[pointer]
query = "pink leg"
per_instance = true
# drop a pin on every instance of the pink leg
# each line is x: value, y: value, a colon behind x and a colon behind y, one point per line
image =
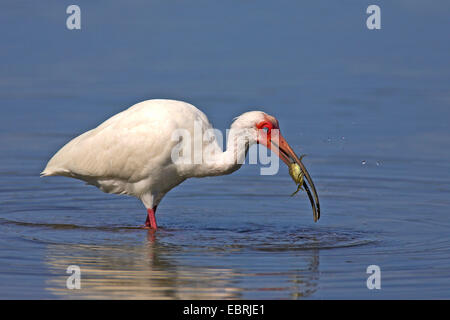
x: 150, y: 222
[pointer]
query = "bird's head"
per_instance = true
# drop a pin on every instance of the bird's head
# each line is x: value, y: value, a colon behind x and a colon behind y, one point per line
x: 264, y: 129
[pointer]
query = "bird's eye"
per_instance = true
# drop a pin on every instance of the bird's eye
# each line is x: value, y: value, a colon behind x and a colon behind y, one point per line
x: 265, y: 126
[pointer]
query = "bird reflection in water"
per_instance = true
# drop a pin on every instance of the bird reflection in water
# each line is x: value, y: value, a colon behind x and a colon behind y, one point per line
x: 157, y: 270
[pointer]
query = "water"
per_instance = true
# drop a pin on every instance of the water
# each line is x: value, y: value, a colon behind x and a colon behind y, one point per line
x: 370, y: 108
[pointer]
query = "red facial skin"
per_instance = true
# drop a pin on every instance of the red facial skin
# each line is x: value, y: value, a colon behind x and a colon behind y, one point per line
x: 282, y: 149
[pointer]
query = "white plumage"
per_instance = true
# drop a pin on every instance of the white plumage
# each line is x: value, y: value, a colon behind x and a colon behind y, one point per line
x: 130, y: 153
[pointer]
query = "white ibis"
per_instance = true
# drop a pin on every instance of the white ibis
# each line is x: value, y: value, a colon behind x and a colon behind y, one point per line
x: 131, y: 152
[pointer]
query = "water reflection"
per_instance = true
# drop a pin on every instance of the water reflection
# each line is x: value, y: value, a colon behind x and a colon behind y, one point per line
x: 305, y: 281
x: 155, y: 270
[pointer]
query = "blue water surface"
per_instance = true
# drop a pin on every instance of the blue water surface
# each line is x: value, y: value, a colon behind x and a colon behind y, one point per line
x: 371, y: 108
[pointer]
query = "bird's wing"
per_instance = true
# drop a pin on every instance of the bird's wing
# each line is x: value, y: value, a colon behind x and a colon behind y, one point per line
x: 127, y: 146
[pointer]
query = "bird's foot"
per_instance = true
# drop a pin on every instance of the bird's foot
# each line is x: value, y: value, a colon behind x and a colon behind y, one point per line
x: 147, y: 227
x: 150, y: 222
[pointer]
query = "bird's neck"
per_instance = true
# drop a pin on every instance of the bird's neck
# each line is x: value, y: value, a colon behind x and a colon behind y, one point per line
x: 233, y: 157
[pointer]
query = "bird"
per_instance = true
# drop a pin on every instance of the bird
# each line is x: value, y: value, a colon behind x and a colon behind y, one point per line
x: 132, y: 152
